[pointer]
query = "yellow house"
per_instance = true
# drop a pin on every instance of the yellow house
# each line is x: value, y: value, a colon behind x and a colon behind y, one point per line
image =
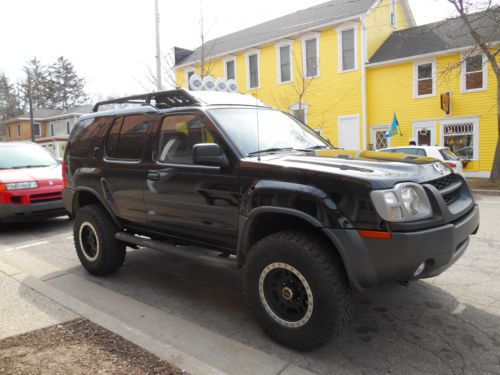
x: 345, y: 67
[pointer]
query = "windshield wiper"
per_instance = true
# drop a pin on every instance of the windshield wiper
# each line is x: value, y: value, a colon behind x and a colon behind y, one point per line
x: 30, y: 166
x: 317, y: 148
x: 274, y: 149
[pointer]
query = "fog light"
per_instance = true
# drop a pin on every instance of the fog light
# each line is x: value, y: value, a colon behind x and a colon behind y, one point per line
x: 419, y: 270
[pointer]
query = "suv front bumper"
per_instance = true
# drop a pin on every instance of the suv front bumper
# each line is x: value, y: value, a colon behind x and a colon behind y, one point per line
x: 371, y: 262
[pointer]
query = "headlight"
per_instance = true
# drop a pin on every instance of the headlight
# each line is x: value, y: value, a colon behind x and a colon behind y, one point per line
x: 406, y: 202
x: 21, y: 185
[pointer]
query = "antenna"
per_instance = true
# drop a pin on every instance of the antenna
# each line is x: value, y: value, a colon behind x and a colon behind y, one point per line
x: 258, y: 131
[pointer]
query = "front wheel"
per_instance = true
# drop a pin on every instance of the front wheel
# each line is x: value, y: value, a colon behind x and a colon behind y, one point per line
x: 94, y: 235
x: 296, y: 290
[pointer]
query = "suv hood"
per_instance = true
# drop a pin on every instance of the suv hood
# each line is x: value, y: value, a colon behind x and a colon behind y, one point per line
x: 32, y: 174
x: 378, y: 169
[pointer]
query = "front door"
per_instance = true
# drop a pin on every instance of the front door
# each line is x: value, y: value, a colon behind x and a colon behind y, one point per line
x: 424, y: 133
x: 189, y: 201
x: 349, y: 136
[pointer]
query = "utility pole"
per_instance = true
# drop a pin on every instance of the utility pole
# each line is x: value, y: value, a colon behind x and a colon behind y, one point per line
x: 158, y: 51
x: 30, y: 103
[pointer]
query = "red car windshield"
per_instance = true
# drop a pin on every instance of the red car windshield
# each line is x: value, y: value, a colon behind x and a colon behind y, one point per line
x: 17, y: 156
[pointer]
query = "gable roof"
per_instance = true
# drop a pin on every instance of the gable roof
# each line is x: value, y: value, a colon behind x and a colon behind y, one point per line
x: 300, y: 21
x: 438, y: 36
x: 51, y: 114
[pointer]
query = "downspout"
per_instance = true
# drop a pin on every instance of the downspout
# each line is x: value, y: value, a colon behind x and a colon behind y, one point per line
x: 364, y: 53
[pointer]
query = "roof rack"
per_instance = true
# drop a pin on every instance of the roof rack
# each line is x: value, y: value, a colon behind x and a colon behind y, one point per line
x: 159, y: 100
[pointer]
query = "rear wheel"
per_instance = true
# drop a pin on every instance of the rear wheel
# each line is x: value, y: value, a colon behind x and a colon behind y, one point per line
x: 296, y: 290
x: 94, y: 235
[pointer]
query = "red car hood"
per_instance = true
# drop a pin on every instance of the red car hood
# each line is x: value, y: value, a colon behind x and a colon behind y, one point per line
x: 53, y: 174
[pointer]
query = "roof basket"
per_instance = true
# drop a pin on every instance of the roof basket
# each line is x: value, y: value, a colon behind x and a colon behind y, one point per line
x: 159, y: 100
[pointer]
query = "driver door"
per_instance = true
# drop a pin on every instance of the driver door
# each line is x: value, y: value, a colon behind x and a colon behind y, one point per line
x: 187, y: 200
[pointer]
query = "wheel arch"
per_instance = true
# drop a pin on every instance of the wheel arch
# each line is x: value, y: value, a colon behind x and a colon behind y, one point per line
x: 264, y: 221
x: 86, y: 196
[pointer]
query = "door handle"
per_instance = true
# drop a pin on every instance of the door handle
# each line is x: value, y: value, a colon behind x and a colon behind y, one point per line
x: 154, y: 176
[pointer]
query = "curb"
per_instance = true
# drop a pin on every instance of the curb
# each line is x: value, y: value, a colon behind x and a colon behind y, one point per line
x: 208, y: 352
x: 168, y: 353
x: 486, y: 192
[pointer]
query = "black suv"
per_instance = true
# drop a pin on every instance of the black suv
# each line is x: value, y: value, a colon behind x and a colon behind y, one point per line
x: 306, y: 222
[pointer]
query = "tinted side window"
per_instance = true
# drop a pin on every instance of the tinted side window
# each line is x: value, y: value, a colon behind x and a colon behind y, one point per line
x: 127, y: 137
x: 411, y: 151
x: 178, y: 135
x: 84, y: 135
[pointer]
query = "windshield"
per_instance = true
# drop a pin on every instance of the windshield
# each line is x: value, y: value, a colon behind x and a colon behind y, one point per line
x: 448, y: 154
x: 24, y: 156
x: 277, y: 131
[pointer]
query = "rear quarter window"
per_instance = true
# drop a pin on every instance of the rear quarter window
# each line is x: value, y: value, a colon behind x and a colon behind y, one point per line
x: 83, y: 136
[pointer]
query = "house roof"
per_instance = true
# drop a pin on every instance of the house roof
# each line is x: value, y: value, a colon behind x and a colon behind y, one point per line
x: 290, y: 24
x: 51, y: 114
x: 440, y: 36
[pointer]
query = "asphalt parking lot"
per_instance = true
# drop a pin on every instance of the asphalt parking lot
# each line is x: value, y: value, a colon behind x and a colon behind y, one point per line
x: 446, y: 325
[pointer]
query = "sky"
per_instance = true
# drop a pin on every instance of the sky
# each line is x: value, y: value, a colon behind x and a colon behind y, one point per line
x: 112, y: 44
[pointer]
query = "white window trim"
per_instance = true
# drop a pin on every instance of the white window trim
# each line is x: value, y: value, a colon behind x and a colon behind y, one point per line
x: 374, y: 129
x: 339, y: 30
x: 229, y: 59
x: 190, y: 69
x: 394, y: 10
x: 485, y: 64
x: 303, y: 106
x: 248, y: 54
x: 415, y: 78
x: 305, y: 38
x: 284, y: 43
x: 475, y: 135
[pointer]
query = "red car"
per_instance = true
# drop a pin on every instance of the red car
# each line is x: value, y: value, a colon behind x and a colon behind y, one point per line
x: 30, y: 182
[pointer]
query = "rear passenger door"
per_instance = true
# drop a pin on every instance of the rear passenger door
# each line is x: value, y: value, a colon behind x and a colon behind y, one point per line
x: 123, y: 173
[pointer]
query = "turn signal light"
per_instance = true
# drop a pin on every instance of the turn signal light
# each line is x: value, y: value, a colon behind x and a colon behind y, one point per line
x: 452, y: 165
x: 373, y: 234
x: 3, y: 187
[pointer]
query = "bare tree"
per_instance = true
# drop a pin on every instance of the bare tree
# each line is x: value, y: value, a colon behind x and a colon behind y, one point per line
x: 206, y: 48
x: 490, y: 13
x: 299, y: 88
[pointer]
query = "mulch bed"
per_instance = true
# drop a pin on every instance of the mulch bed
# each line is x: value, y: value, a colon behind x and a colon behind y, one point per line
x: 77, y: 347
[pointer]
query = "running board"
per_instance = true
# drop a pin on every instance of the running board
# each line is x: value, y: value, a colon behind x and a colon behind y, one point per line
x: 200, y: 254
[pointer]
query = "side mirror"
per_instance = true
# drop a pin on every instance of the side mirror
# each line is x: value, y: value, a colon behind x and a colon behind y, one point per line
x: 209, y: 154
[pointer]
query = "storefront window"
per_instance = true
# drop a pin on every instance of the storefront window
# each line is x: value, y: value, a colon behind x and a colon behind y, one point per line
x: 459, y: 138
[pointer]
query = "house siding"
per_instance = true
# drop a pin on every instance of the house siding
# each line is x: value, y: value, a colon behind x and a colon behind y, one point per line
x: 378, y: 24
x: 391, y: 89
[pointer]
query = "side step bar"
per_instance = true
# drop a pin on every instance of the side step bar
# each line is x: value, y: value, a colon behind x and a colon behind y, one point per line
x: 199, y: 254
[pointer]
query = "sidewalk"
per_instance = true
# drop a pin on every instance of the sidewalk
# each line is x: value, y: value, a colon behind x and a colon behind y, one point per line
x: 24, y: 310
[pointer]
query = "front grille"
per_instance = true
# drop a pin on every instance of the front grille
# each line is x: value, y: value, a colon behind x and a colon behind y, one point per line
x: 48, y: 197
x: 442, y: 184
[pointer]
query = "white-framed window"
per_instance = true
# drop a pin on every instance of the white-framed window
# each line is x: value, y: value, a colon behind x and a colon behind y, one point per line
x: 52, y: 129
x: 36, y: 130
x: 19, y: 130
x: 299, y: 110
x: 474, y: 73
x: 230, y: 68
x: 284, y: 52
x: 394, y: 13
x: 425, y: 79
x: 253, y: 65
x: 310, y: 55
x: 189, y: 72
x: 348, y: 47
x: 461, y: 136
x: 378, y: 137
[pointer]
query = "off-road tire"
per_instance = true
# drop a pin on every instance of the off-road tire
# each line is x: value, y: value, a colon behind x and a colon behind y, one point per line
x: 111, y: 252
x: 324, y: 273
